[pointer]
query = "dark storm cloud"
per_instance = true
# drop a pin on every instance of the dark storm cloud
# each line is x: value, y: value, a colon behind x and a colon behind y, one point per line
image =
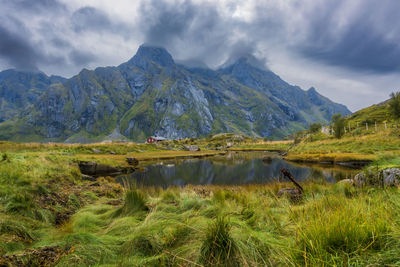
x: 16, y: 49
x: 19, y: 50
x: 164, y: 22
x: 191, y: 30
x: 54, y: 34
x: 90, y: 18
x: 362, y: 44
x: 60, y: 42
x: 37, y: 6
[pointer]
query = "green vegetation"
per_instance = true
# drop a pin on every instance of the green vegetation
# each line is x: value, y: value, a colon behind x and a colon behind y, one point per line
x: 50, y: 216
x: 314, y: 127
x: 394, y: 104
x: 338, y: 125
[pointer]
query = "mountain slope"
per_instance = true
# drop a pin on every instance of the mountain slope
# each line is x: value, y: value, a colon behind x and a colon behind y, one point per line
x: 151, y: 94
x: 19, y: 89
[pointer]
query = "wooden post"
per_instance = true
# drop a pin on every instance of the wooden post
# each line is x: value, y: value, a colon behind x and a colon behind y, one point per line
x: 375, y: 127
x: 349, y: 127
x: 385, y: 126
x: 344, y: 129
x: 366, y: 126
x: 357, y: 124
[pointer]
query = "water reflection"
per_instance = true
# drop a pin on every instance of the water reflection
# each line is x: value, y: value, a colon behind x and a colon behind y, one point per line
x: 231, y: 169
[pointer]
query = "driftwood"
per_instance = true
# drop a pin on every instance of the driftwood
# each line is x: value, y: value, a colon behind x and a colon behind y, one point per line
x: 287, y: 174
x: 294, y: 194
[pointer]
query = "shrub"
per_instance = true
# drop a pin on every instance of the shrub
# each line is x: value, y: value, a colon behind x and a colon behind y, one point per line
x: 314, y: 127
x: 338, y: 125
x: 394, y: 104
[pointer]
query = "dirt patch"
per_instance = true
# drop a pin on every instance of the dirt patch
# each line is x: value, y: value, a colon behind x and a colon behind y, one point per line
x: 64, y: 202
x: 44, y: 256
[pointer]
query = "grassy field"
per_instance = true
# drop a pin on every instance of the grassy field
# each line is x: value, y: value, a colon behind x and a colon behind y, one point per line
x: 50, y: 216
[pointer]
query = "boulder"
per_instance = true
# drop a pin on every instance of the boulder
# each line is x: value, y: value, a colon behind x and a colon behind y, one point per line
x: 293, y: 194
x: 191, y: 148
x: 346, y: 181
x: 88, y: 178
x: 132, y: 161
x: 96, y: 151
x: 94, y: 169
x: 267, y: 160
x: 359, y: 179
x: 237, y: 137
x: 391, y: 177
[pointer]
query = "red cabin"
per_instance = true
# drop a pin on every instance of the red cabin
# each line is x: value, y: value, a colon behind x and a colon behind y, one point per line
x: 154, y: 139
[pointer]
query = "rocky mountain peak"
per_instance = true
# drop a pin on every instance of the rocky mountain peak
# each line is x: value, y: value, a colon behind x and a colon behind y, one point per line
x: 244, y: 61
x: 147, y: 54
x: 312, y: 90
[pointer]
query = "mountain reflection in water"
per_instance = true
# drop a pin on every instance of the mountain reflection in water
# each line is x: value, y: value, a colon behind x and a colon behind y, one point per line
x: 234, y: 168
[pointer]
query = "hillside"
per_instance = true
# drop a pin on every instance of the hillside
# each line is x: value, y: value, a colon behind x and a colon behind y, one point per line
x: 152, y: 95
x: 378, y: 113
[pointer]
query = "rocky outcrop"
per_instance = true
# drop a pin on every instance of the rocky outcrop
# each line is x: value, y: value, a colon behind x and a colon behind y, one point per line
x: 360, y: 179
x: 132, y: 161
x: 191, y: 148
x: 391, y: 176
x: 346, y: 181
x: 387, y: 177
x: 95, y: 169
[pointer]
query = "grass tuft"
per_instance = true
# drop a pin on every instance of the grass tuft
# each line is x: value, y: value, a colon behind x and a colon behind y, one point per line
x: 135, y: 201
x: 219, y: 248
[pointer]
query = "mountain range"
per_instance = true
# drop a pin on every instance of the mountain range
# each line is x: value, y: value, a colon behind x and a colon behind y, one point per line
x: 151, y: 94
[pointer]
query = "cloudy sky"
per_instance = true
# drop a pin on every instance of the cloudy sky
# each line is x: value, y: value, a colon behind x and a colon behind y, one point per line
x: 349, y: 50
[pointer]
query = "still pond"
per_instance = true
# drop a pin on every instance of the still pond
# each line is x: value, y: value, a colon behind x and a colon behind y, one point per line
x: 234, y: 168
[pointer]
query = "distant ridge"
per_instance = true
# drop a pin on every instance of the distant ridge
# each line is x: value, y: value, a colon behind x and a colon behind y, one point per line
x: 151, y: 94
